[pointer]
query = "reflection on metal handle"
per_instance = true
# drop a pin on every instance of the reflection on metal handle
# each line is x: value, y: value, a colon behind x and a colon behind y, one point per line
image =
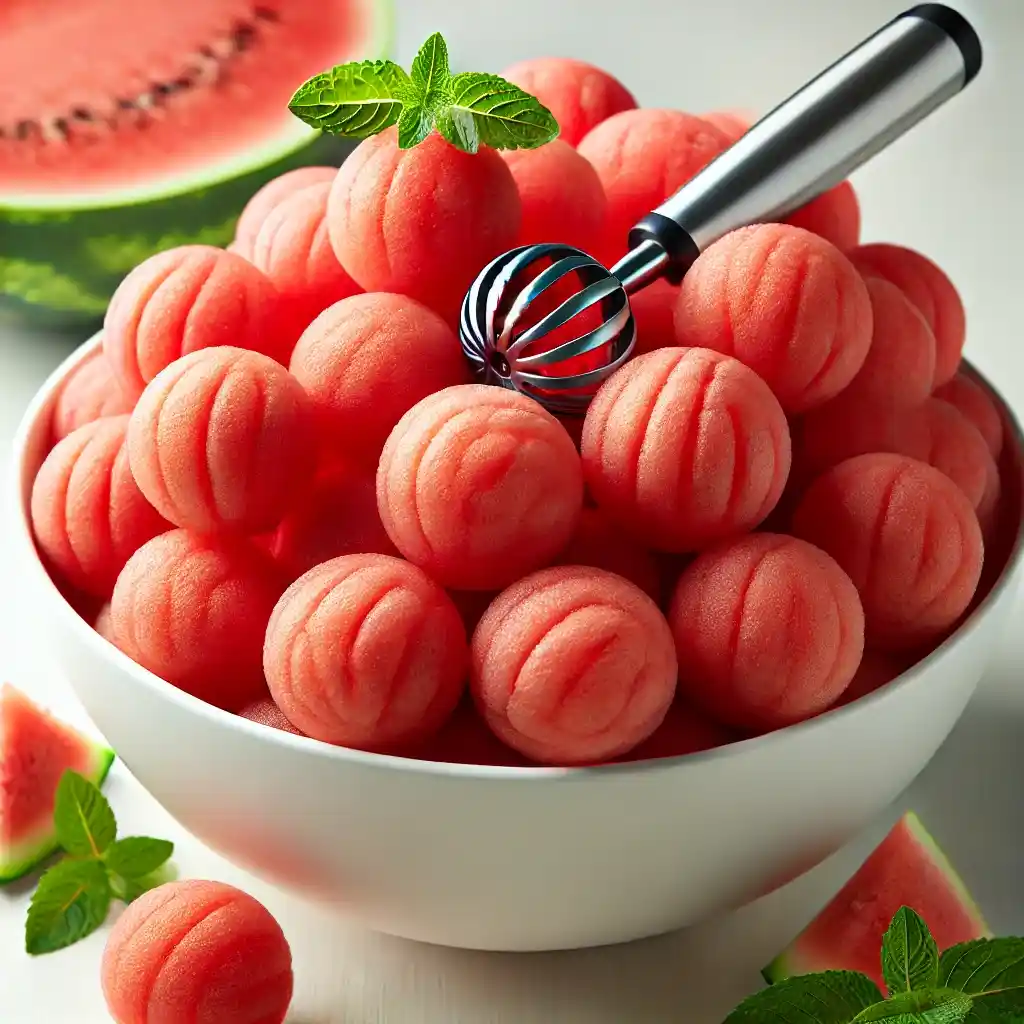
x: 819, y: 135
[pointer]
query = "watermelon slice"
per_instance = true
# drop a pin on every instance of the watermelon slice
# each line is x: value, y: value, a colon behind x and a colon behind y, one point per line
x: 907, y: 870
x: 35, y: 751
x: 127, y: 128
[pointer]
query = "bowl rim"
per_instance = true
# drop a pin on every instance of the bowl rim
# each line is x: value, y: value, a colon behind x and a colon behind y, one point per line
x: 19, y: 493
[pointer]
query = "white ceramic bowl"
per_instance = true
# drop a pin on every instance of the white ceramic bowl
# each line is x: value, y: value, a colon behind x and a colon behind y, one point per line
x: 509, y: 858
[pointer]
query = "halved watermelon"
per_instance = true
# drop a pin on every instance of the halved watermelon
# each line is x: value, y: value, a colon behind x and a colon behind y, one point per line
x: 906, y: 870
x: 126, y: 128
x: 35, y: 751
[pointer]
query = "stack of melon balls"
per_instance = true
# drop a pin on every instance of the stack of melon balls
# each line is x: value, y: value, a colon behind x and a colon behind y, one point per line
x: 280, y: 482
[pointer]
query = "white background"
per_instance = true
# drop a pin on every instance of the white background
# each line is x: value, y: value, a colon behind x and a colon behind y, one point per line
x: 951, y: 188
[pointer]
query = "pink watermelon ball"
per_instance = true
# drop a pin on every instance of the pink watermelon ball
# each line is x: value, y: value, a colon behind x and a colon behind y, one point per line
x: 104, y: 624
x: 294, y: 250
x: 561, y: 195
x: 223, y: 439
x: 187, y: 299
x: 265, y: 712
x: 933, y: 432
x: 479, y: 486
x: 685, y: 730
x: 89, y: 392
x: 973, y: 401
x: 599, y: 543
x: 466, y: 739
x: 197, y: 951
x: 785, y: 302
x: 769, y: 631
x: 366, y: 651
x: 834, y: 215
x: 900, y: 365
x: 578, y: 94
x: 88, y: 514
x: 734, y: 124
x: 423, y: 221
x: 193, y: 610
x: 573, y: 665
x: 269, y: 197
x: 907, y: 537
x: 684, y: 447
x: 366, y: 361
x: 654, y: 312
x: 642, y: 157
x: 928, y: 287
x: 336, y: 516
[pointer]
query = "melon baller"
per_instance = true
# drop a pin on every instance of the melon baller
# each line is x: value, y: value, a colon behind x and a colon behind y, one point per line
x: 809, y: 143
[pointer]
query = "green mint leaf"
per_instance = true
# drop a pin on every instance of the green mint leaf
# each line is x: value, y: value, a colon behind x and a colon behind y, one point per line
x: 138, y: 856
x: 82, y: 817
x: 354, y: 100
x: 910, y: 958
x: 486, y: 110
x: 430, y: 72
x: 834, y: 997
x: 992, y: 972
x: 937, y: 1006
x: 415, y: 124
x: 130, y: 889
x: 71, y: 902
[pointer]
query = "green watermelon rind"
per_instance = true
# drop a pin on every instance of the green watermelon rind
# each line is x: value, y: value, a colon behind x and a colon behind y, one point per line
x: 61, y: 263
x: 27, y: 855
x: 790, y: 963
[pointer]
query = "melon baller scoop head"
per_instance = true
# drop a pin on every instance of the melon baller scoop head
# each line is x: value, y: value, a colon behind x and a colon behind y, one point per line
x: 553, y: 323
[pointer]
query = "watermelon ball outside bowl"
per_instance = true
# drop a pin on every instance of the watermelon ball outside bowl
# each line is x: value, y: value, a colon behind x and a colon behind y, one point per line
x: 511, y: 857
x: 126, y: 129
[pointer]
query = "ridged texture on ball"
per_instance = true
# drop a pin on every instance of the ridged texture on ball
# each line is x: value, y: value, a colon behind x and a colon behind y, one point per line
x: 900, y: 365
x: 294, y: 250
x: 769, y: 631
x: 271, y: 195
x: 422, y: 221
x: 580, y: 95
x: 561, y: 196
x: 642, y: 157
x: 194, y: 610
x: 928, y: 287
x: 88, y: 514
x: 479, y: 486
x: 785, y: 302
x: 973, y: 401
x: 366, y: 361
x: 907, y: 537
x: 366, y: 651
x: 186, y: 299
x: 573, y: 665
x: 88, y: 393
x: 336, y: 516
x: 196, y: 951
x: 684, y: 447
x: 223, y: 440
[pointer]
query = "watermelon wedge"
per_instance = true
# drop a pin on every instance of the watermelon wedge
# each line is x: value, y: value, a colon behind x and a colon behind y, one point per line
x: 35, y: 751
x: 127, y: 128
x: 906, y: 870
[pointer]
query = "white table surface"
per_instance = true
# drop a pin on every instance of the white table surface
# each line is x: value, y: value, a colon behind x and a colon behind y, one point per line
x: 950, y: 188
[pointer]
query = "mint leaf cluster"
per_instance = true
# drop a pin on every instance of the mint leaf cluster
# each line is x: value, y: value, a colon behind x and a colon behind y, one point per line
x: 470, y: 109
x: 979, y: 982
x: 74, y: 896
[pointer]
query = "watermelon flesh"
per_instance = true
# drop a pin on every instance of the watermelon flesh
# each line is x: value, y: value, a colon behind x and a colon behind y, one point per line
x: 907, y: 869
x: 35, y: 751
x: 130, y: 128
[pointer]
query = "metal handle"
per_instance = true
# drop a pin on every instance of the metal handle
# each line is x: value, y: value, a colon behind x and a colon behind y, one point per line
x: 814, y: 139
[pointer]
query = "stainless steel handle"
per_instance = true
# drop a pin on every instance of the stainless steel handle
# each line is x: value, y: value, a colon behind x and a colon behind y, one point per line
x: 819, y: 135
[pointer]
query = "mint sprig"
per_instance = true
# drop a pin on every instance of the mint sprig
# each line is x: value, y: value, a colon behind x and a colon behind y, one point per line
x: 73, y: 897
x: 470, y: 109
x: 979, y: 982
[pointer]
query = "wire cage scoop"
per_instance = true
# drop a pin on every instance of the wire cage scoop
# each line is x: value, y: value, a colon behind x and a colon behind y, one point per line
x: 548, y: 321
